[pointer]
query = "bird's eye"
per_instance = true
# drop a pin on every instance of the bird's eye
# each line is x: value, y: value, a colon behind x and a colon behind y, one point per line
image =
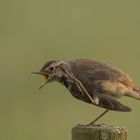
x: 52, y: 68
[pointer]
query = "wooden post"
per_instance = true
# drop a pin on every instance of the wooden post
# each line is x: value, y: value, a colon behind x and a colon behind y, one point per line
x: 99, y: 132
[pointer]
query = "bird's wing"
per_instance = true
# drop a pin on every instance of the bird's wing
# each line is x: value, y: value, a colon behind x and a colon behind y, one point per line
x: 100, y: 76
x: 103, y: 82
x: 104, y: 98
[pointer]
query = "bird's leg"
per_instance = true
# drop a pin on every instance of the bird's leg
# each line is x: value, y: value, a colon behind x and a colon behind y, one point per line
x: 93, y: 122
x: 80, y: 85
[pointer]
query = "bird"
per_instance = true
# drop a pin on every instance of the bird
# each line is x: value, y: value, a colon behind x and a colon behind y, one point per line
x: 93, y: 82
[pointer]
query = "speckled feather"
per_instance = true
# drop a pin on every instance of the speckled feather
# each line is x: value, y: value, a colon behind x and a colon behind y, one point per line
x: 104, y: 83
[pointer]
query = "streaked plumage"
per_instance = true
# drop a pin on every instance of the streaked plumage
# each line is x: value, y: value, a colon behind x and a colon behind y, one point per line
x: 104, y: 83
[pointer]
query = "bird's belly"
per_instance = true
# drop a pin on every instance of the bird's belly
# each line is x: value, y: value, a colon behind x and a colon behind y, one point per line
x: 78, y: 93
x: 75, y: 91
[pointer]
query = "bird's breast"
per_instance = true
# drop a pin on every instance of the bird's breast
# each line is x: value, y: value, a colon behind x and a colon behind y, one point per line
x: 77, y: 92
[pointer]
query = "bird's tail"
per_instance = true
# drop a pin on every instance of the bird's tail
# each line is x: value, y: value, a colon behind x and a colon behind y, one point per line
x: 134, y: 93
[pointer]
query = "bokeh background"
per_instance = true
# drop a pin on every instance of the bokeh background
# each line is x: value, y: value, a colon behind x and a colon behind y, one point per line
x: 35, y: 31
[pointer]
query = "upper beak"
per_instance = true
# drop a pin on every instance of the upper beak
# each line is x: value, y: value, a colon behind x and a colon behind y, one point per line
x: 40, y: 73
x: 47, y: 77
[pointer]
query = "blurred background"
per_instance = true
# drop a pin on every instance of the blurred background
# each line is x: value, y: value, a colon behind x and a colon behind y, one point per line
x: 33, y: 32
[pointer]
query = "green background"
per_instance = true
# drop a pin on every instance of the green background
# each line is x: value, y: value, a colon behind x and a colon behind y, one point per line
x: 33, y: 32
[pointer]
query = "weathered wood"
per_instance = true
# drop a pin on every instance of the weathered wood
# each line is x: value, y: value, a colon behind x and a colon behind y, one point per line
x: 99, y: 132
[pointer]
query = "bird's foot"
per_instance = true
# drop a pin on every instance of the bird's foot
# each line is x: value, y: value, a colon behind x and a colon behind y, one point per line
x: 92, y: 124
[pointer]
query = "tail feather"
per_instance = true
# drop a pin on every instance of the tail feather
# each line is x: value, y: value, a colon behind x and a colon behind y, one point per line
x: 134, y: 93
x: 112, y: 104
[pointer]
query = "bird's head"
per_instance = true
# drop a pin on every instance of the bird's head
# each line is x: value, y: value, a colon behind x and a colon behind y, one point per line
x: 52, y: 71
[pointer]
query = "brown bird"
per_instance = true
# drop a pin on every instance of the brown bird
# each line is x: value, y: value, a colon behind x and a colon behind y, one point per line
x: 93, y: 82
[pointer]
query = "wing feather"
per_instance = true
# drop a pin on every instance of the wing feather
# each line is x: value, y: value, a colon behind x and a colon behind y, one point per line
x: 92, y: 73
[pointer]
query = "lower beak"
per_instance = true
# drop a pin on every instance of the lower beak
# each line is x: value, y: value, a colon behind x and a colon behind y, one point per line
x: 47, y: 77
x: 43, y: 84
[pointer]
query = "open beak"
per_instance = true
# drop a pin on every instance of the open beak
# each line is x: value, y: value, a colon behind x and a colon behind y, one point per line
x: 47, y: 77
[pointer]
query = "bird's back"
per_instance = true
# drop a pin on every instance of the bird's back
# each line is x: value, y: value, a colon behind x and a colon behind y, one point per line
x: 105, y: 81
x: 99, y: 71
